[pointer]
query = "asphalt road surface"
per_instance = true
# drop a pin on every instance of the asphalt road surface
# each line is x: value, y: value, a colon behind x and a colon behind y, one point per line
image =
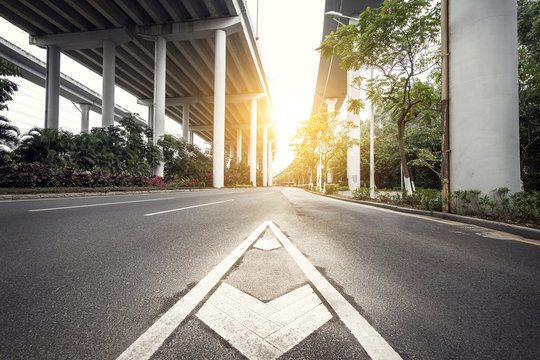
x: 85, y: 278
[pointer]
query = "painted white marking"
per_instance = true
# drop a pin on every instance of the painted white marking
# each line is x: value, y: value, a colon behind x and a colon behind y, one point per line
x: 187, y: 207
x: 235, y: 316
x: 150, y: 341
x: 267, y: 244
x: 101, y: 204
x: 287, y: 337
x: 374, y: 344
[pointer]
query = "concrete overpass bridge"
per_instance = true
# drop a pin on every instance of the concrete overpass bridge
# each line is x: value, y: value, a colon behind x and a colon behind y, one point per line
x: 197, y: 62
x: 482, y: 92
x: 35, y: 71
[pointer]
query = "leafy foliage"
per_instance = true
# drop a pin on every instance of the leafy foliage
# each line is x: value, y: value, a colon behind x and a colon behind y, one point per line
x: 124, y: 149
x: 399, y: 40
x: 185, y: 161
x: 9, y: 134
x: 529, y: 91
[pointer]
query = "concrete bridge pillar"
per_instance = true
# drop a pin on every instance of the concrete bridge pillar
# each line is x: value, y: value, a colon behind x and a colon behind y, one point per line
x: 85, y: 121
x: 185, y: 123
x: 483, y: 84
x: 253, y: 144
x: 52, y: 92
x: 238, y: 146
x: 159, y: 94
x: 270, y: 163
x: 219, y: 109
x: 107, y: 111
x: 265, y: 157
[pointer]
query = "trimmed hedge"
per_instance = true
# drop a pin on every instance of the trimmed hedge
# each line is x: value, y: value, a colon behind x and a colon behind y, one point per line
x: 38, y: 175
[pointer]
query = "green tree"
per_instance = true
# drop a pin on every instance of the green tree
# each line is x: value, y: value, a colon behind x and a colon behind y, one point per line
x: 322, y: 136
x: 529, y: 92
x: 9, y: 134
x: 400, y: 40
x: 184, y: 160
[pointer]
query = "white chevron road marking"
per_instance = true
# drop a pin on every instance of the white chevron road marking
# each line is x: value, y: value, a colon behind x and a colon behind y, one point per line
x: 272, y: 328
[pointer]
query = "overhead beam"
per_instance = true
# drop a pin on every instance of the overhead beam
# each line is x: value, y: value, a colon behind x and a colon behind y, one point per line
x: 181, y: 100
x: 82, y: 39
x: 200, y: 29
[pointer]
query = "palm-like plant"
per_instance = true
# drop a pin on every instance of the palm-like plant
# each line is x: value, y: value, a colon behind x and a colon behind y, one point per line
x: 9, y: 134
x: 47, y: 146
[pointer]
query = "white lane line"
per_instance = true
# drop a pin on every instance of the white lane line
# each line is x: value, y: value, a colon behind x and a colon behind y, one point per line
x: 101, y: 204
x: 187, y: 207
x: 149, y: 342
x: 374, y: 344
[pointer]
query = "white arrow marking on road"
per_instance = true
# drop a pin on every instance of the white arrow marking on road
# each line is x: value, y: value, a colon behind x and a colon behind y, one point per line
x: 374, y: 344
x: 101, y: 204
x: 149, y: 342
x: 187, y: 207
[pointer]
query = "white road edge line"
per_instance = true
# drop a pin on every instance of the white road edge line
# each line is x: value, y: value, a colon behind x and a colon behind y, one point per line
x: 151, y: 340
x: 187, y: 207
x: 374, y: 344
x: 448, y: 222
x: 101, y: 204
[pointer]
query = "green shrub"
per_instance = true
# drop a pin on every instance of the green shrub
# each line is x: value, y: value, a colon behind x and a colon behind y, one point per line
x: 331, y: 189
x: 361, y: 194
x: 343, y: 188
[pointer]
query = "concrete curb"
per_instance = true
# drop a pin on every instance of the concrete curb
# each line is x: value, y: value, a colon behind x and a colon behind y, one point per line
x: 509, y: 228
x: 89, y: 194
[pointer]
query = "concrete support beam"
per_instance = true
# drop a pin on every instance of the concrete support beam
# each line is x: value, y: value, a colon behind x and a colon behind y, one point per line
x: 484, y: 108
x: 52, y: 91
x: 219, y: 109
x: 265, y: 157
x: 85, y: 117
x: 185, y: 122
x: 200, y: 29
x: 159, y: 94
x: 238, y: 146
x: 253, y: 144
x: 109, y: 54
x: 181, y: 100
x: 83, y: 39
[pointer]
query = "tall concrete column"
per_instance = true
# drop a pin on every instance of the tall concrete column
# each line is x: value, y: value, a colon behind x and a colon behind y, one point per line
x: 353, y: 152
x: 219, y: 109
x: 483, y: 84
x: 52, y: 91
x: 331, y: 107
x: 265, y: 157
x: 253, y: 144
x: 151, y: 118
x: 238, y: 146
x: 107, y: 109
x: 85, y: 120
x: 185, y: 122
x: 191, y: 137
x: 160, y: 63
x: 270, y: 163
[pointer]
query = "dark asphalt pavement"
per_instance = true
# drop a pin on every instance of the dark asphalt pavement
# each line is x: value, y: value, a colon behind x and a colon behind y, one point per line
x: 85, y: 282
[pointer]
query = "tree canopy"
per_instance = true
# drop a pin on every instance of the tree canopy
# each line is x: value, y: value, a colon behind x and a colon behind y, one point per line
x: 400, y: 40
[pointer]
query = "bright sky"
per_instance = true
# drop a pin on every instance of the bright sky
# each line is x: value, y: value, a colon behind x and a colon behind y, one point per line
x: 289, y: 31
